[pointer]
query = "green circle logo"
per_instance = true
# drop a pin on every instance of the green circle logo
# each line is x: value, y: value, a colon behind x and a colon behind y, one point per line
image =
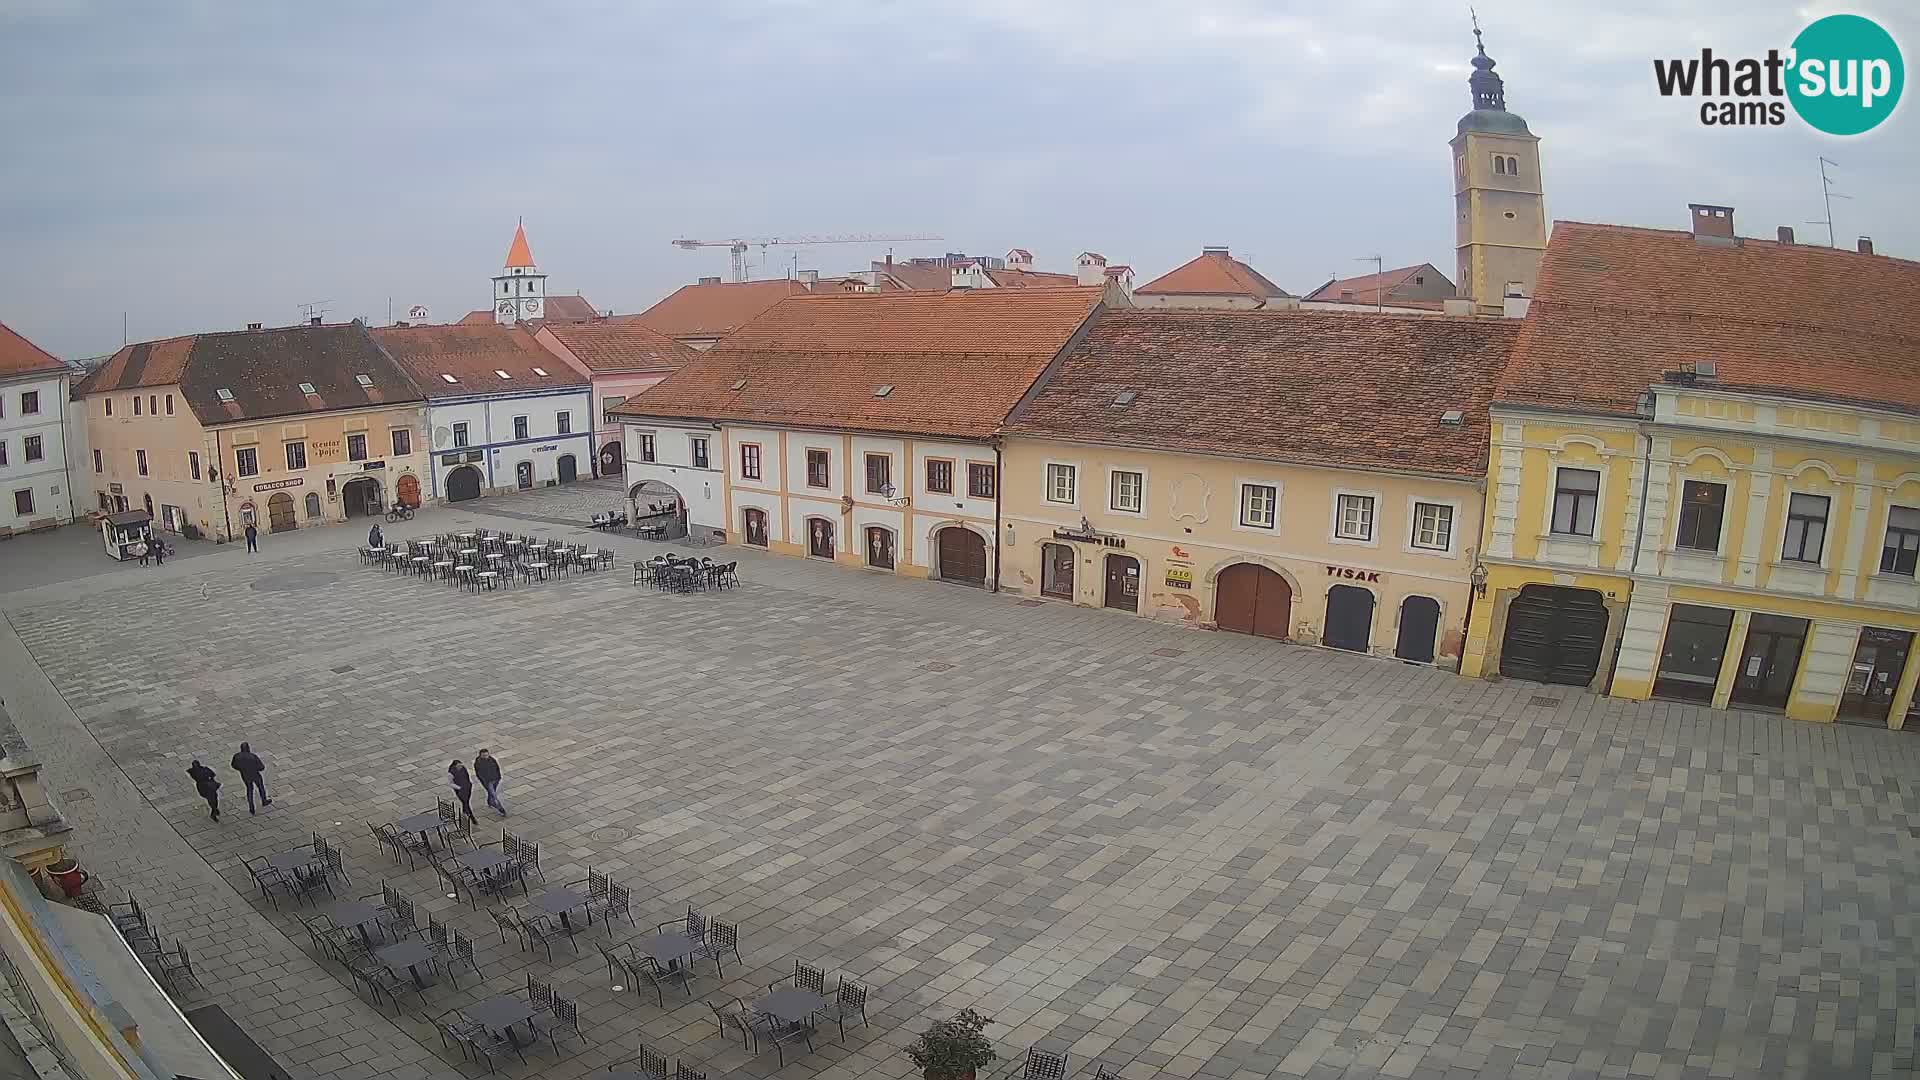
x: 1847, y: 75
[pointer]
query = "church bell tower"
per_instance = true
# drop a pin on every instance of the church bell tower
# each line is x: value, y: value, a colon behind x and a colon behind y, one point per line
x: 519, y: 289
x: 1500, y: 214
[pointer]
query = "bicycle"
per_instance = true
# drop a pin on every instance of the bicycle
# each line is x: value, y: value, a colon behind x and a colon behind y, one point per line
x: 400, y: 512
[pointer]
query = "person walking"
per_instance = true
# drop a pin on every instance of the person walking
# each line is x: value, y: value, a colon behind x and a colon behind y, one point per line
x: 374, y: 539
x: 462, y: 786
x: 253, y: 774
x: 159, y: 547
x: 253, y: 538
x: 487, y: 771
x: 208, y: 785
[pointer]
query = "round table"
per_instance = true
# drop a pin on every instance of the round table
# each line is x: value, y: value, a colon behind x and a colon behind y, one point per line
x: 538, y: 568
x: 445, y: 568
x: 420, y: 564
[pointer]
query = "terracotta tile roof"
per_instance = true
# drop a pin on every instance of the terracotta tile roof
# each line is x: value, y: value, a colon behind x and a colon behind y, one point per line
x: 1317, y: 387
x: 567, y: 309
x: 262, y: 371
x: 476, y: 318
x: 622, y: 344
x: 1367, y: 287
x: 474, y: 355
x: 1214, y: 273
x: 923, y: 278
x: 18, y: 356
x: 957, y: 361
x: 1617, y: 306
x: 1028, y: 279
x: 716, y: 310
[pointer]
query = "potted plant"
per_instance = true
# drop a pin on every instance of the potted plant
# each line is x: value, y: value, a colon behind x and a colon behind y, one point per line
x: 953, y: 1049
x: 67, y: 874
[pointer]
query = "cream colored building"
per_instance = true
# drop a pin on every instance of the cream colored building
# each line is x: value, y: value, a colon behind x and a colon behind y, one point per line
x: 284, y: 428
x: 1307, y: 476
x: 1500, y: 215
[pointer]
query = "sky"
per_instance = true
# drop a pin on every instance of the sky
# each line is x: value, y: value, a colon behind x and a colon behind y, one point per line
x: 198, y: 166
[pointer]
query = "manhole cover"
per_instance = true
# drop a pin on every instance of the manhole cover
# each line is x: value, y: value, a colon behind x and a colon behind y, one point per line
x: 296, y: 581
x: 80, y: 794
x: 343, y: 669
x: 1543, y: 701
x: 1169, y: 652
x: 939, y: 665
x: 608, y: 834
x: 1030, y: 603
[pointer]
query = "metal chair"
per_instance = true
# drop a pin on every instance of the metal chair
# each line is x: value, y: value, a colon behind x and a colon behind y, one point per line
x: 536, y: 930
x: 780, y: 1034
x: 683, y: 1071
x: 526, y: 856
x: 651, y: 1064
x: 1044, y: 1065
x: 264, y: 876
x: 805, y: 978
x: 176, y: 968
x: 330, y: 858
x: 540, y: 993
x: 649, y: 969
x: 309, y: 880
x: 694, y: 925
x: 462, y: 954
x: 738, y: 1018
x: 489, y: 1045
x: 722, y: 938
x: 1102, y: 1072
x: 565, y: 1020
x: 849, y: 999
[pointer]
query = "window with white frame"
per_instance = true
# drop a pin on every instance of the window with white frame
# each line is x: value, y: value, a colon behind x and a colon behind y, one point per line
x: 460, y: 434
x: 698, y: 445
x: 1354, y: 518
x: 750, y: 461
x: 246, y: 461
x: 1127, y: 491
x: 1060, y: 483
x: 1259, y: 505
x: 1576, y: 499
x: 1900, y: 552
x: 1806, y: 528
x: 1432, y: 526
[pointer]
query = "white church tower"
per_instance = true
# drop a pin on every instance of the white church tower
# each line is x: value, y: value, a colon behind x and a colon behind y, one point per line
x: 520, y: 289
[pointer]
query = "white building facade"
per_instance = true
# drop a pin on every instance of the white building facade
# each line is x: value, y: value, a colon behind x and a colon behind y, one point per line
x: 34, y: 492
x: 493, y: 443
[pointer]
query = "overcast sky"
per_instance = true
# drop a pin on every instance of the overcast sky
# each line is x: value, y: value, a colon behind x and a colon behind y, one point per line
x: 199, y: 166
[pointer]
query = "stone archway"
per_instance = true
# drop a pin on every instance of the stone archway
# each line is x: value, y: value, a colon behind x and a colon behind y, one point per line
x: 360, y: 497
x: 656, y: 502
x: 463, y: 483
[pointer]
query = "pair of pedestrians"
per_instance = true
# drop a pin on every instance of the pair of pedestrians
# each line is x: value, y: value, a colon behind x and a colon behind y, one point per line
x: 252, y: 773
x: 487, y: 770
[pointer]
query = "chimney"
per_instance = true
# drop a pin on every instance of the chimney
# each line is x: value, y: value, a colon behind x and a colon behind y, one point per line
x: 1866, y: 245
x: 1515, y: 302
x: 1093, y: 268
x: 253, y: 326
x: 809, y: 278
x: 1712, y: 221
x: 1786, y: 234
x: 313, y: 320
x: 710, y: 281
x: 969, y: 276
x: 1215, y: 251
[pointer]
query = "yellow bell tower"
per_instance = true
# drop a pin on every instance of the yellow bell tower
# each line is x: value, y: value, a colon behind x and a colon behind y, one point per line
x: 1500, y: 213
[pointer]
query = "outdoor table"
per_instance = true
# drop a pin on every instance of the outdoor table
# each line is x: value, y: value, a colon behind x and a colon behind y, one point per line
x: 424, y: 824
x: 501, y: 1013
x: 422, y: 543
x: 668, y: 948
x: 445, y: 567
x: 288, y: 861
x: 469, y: 551
x: 538, y: 568
x: 356, y: 914
x: 493, y: 556
x: 464, y: 536
x: 486, y: 578
x: 791, y: 1004
x: 559, y: 901
x: 483, y: 860
x: 406, y: 954
x: 420, y: 564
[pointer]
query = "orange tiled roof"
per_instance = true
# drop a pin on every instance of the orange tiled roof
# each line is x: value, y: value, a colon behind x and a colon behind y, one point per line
x: 146, y: 363
x: 1374, y: 288
x: 957, y: 361
x: 518, y: 253
x: 476, y: 318
x: 567, y: 309
x: 1316, y: 387
x: 1616, y: 306
x: 18, y: 356
x: 473, y: 355
x: 623, y: 344
x: 1213, y: 273
x: 716, y: 310
x: 1028, y: 279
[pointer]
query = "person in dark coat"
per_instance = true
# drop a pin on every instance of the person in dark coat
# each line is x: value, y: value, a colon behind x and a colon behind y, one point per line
x: 462, y: 786
x: 253, y: 774
x: 487, y: 771
x: 253, y: 538
x: 159, y: 549
x: 374, y: 539
x: 208, y: 785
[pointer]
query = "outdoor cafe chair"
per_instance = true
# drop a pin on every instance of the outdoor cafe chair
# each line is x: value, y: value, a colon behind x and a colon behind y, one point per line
x: 489, y: 1045
x: 307, y: 881
x: 804, y: 978
x: 539, y: 993
x: 649, y: 969
x: 1044, y: 1065
x: 176, y: 968
x: 264, y: 876
x: 684, y: 1071
x: 563, y: 1019
x: 781, y: 1034
x: 849, y: 999
x: 737, y: 1017
x: 650, y: 1063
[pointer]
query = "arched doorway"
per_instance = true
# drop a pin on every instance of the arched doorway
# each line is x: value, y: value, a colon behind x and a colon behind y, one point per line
x: 313, y: 506
x: 879, y: 547
x: 963, y: 555
x: 523, y: 475
x: 463, y: 483
x: 361, y: 497
x: 657, y: 503
x: 755, y: 526
x: 1554, y: 635
x: 820, y: 538
x: 1349, y: 618
x: 1123, y: 583
x: 1252, y: 599
x: 610, y: 459
x: 1056, y: 571
x: 569, y: 468
x: 280, y: 512
x: 408, y: 490
x: 1419, y: 628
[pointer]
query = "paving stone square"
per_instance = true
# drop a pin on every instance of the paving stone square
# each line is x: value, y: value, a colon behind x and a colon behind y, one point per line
x: 1172, y: 852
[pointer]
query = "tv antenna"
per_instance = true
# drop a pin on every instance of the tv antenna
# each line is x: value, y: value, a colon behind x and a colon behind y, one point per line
x: 1827, y: 195
x: 313, y: 310
x: 1379, y: 264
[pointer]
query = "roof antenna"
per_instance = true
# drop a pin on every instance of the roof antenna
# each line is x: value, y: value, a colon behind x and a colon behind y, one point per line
x: 1378, y: 262
x: 1827, y: 195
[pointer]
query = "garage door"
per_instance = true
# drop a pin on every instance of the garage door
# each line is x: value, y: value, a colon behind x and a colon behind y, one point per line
x: 1554, y: 635
x: 963, y: 557
x: 1251, y: 599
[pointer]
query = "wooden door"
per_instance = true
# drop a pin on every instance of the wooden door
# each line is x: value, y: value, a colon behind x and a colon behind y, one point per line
x: 409, y: 493
x: 280, y: 512
x: 879, y: 547
x: 820, y: 538
x: 1123, y: 582
x: 1419, y: 627
x: 1349, y: 619
x: 756, y: 527
x: 1554, y: 635
x: 463, y: 483
x: 1251, y: 599
x: 963, y: 556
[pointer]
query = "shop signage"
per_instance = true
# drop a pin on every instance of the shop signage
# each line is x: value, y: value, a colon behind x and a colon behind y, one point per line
x: 372, y: 465
x: 1086, y: 534
x: 545, y: 449
x: 117, y: 489
x: 1350, y: 574
x: 271, y: 485
x: 325, y: 449
x: 1180, y: 575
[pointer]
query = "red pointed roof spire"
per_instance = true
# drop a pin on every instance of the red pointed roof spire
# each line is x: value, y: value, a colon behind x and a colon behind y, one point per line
x: 519, y: 254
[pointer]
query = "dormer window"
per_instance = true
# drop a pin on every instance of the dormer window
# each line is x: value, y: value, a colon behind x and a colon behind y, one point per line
x: 540, y: 371
x: 307, y: 388
x: 364, y: 380
x: 501, y: 373
x: 448, y: 378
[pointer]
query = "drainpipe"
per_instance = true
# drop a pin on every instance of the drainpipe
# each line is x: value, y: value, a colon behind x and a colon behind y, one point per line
x: 1639, y: 536
x: 226, y: 517
x: 997, y: 542
x: 66, y: 449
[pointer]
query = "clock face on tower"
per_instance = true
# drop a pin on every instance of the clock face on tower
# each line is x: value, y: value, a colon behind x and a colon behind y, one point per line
x: 533, y: 308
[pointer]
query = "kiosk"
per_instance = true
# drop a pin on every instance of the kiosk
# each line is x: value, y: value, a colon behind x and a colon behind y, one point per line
x: 127, y: 533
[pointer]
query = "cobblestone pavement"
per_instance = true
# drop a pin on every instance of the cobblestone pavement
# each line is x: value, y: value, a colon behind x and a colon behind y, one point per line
x: 1176, y: 852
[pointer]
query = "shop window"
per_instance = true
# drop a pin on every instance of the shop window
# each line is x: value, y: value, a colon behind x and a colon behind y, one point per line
x: 1696, y: 646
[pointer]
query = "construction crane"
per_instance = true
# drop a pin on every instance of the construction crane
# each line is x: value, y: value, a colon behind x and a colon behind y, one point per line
x: 738, y: 246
